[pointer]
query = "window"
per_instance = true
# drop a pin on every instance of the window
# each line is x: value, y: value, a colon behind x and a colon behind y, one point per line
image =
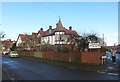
x: 60, y: 37
x: 50, y: 31
x: 48, y: 39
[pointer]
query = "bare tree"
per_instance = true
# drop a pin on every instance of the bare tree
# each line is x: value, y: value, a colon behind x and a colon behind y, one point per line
x: 72, y: 41
x: 1, y: 36
x: 83, y: 42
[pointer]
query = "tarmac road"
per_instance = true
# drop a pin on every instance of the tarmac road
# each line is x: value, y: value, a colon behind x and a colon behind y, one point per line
x: 27, y: 69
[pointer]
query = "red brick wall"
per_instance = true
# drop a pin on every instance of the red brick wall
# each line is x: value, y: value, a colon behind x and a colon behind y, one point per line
x: 103, y: 53
x: 61, y: 56
x: 26, y: 53
x: 89, y: 57
x: 55, y: 56
x: 1, y: 50
x: 92, y: 57
x: 75, y: 56
x: 48, y: 55
x: 84, y: 57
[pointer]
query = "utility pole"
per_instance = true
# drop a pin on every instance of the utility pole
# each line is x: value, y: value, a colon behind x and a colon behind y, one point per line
x: 103, y: 40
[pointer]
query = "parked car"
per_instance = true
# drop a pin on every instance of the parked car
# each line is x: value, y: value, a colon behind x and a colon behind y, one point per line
x: 5, y: 52
x: 13, y: 54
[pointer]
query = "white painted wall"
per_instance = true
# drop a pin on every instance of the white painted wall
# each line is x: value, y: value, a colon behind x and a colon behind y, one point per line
x: 52, y: 39
x: 19, y: 41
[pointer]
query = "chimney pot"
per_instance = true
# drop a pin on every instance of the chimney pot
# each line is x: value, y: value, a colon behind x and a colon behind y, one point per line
x: 50, y: 27
x: 41, y: 29
x: 70, y: 28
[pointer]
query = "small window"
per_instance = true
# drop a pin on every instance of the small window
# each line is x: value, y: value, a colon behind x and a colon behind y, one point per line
x: 50, y: 31
x: 60, y: 37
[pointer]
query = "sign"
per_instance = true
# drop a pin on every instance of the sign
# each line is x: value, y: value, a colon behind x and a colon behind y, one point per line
x: 94, y: 45
x: 103, y: 57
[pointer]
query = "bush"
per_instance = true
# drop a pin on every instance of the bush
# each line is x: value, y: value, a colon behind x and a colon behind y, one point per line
x: 44, y: 47
x: 13, y: 47
x: 47, y: 47
x: 62, y: 48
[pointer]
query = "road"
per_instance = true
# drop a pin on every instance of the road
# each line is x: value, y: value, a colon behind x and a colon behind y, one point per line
x: 109, y: 57
x: 32, y: 69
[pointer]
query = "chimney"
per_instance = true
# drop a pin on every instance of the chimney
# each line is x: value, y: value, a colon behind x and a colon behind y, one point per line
x: 41, y: 29
x: 70, y: 28
x: 50, y: 27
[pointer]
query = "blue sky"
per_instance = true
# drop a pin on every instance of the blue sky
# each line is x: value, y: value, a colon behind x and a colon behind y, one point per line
x: 28, y: 17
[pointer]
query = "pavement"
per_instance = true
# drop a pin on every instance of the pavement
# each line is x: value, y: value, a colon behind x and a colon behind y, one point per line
x: 4, y: 75
x: 108, y: 67
x: 103, y: 68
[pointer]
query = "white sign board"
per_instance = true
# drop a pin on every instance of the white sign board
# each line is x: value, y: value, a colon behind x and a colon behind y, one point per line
x: 103, y: 57
x: 94, y: 45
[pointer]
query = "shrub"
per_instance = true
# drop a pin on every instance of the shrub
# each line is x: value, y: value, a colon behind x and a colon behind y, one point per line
x: 62, y: 48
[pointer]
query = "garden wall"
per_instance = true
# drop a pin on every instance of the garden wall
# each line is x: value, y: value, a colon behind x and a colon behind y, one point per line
x: 77, y: 57
x: 92, y: 57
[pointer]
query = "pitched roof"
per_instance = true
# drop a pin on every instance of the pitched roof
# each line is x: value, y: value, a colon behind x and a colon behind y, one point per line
x: 22, y: 36
x: 42, y: 33
x: 25, y: 37
x: 34, y: 34
x: 9, y: 41
x: 6, y: 44
x: 59, y: 27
